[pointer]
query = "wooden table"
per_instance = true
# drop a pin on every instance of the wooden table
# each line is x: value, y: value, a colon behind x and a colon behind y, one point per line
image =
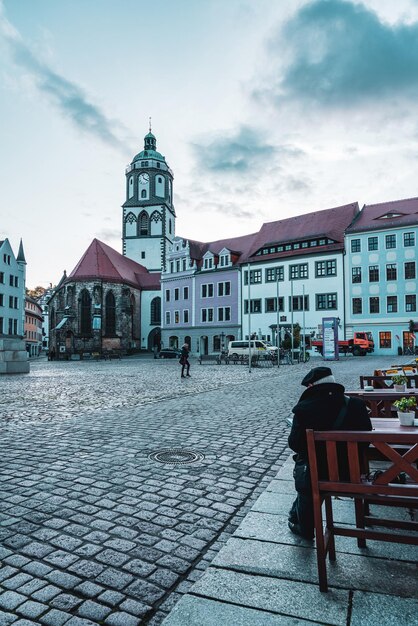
x: 380, y: 401
x: 385, y: 424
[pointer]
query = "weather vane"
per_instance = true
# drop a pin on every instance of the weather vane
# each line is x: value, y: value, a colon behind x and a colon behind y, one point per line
x: 149, y: 124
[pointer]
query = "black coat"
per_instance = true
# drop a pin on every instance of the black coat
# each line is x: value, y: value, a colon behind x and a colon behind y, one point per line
x: 318, y: 408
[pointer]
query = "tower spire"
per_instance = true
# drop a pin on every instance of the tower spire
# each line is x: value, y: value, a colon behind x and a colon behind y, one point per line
x: 150, y: 128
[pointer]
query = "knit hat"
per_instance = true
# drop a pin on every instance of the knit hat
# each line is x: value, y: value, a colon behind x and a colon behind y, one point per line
x: 317, y: 376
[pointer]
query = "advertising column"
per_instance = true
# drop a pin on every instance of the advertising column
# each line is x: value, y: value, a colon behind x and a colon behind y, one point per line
x: 330, y: 338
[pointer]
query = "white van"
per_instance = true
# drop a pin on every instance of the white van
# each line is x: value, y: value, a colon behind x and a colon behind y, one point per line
x: 241, y: 348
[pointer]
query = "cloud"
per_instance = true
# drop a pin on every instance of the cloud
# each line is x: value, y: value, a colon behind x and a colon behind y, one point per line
x: 67, y: 96
x: 235, y: 152
x: 108, y: 234
x: 340, y: 54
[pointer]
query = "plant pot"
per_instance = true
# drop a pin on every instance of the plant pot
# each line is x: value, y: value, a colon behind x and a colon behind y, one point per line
x: 399, y: 387
x: 406, y: 418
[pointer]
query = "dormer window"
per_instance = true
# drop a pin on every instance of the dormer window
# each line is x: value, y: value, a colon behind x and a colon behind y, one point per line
x: 208, y: 263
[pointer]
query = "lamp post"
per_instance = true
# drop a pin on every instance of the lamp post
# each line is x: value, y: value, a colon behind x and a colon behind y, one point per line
x: 278, y: 320
x: 249, y: 319
x: 222, y: 341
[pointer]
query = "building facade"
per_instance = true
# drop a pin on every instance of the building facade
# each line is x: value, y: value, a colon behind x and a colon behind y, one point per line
x: 381, y: 275
x: 33, y: 327
x: 12, y: 290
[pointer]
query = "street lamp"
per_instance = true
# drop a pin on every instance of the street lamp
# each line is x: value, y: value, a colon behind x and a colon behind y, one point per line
x: 222, y: 341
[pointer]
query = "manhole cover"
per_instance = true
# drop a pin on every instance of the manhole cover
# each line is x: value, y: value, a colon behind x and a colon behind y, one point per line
x: 176, y: 456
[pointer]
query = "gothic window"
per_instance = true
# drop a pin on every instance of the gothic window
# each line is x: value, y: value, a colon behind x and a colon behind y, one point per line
x: 85, y: 313
x: 156, y: 311
x: 169, y: 226
x: 110, y: 328
x: 143, y: 224
x: 131, y: 187
x: 130, y: 218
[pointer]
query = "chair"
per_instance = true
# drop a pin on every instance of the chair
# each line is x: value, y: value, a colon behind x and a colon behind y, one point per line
x: 364, y: 491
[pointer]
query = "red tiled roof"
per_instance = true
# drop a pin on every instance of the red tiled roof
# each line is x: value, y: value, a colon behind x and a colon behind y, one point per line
x: 372, y: 216
x: 329, y: 223
x: 100, y: 261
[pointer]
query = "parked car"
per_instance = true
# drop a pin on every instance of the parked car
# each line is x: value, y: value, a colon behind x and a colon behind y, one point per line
x: 169, y: 353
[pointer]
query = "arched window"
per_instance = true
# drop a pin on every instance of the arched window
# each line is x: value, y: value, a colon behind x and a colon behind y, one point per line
x: 143, y: 224
x: 85, y: 313
x: 156, y: 311
x: 144, y: 193
x: 169, y: 226
x: 110, y: 320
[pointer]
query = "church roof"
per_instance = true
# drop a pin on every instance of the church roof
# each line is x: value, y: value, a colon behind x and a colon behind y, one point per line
x: 102, y: 262
x: 398, y: 213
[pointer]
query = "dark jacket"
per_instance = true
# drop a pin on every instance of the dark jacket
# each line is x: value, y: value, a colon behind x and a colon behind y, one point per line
x: 318, y: 408
x: 184, y: 355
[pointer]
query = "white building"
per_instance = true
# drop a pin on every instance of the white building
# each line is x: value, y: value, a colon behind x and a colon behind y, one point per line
x: 12, y: 290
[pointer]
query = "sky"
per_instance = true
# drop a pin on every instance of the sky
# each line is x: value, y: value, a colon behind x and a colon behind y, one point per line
x: 263, y: 110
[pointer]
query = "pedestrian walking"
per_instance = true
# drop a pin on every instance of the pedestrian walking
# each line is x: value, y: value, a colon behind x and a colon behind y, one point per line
x: 184, y: 360
x: 323, y: 406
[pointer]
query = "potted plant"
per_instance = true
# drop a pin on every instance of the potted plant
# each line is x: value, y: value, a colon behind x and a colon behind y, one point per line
x: 406, y: 410
x: 399, y: 382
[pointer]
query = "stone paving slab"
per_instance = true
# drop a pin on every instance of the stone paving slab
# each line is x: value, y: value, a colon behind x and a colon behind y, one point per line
x: 386, y: 610
x: 204, y: 612
x: 293, y: 599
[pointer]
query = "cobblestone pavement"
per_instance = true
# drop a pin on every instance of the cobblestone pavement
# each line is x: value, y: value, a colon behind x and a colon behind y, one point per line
x: 94, y: 531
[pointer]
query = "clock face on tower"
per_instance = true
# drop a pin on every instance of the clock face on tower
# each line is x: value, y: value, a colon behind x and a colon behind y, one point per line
x: 143, y: 179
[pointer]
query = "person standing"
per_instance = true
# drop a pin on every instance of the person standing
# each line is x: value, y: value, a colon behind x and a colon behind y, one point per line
x: 323, y: 406
x: 184, y: 360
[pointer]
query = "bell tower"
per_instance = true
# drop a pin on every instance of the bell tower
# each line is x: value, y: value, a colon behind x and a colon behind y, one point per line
x: 149, y: 218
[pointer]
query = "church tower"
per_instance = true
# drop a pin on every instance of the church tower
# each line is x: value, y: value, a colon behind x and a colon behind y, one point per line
x: 148, y: 212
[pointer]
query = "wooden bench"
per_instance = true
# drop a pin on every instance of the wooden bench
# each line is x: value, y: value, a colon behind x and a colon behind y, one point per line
x: 210, y: 358
x: 400, y: 452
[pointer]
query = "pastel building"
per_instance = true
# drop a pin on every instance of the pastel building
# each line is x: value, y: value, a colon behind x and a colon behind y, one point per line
x: 201, y: 294
x: 381, y: 274
x: 33, y: 326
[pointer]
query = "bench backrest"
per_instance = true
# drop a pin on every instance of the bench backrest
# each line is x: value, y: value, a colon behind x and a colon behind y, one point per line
x: 381, y: 382
x: 398, y: 450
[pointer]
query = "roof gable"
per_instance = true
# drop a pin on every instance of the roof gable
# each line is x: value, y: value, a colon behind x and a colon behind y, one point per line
x: 386, y: 215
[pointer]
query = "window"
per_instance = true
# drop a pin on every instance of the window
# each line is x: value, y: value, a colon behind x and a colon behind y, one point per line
x: 177, y: 266
x: 326, y: 268
x: 143, y: 193
x: 176, y: 294
x: 255, y: 277
x: 142, y: 255
x: 357, y: 305
x: 374, y: 273
x: 374, y: 304
x: 167, y: 295
x: 143, y: 224
x: 299, y: 271
x: 85, y: 313
x: 6, y: 259
x: 11, y: 280
x: 224, y: 289
x: 185, y: 316
x: 207, y: 291
x: 270, y: 305
x: 385, y: 339
x: 356, y: 274
x: 409, y: 269
x: 171, y: 267
x: 16, y: 281
x: 392, y: 304
x: 177, y: 317
x: 355, y: 245
x: 1, y: 299
x: 255, y: 306
x: 156, y: 311
x: 2, y: 278
x: 167, y: 318
x: 391, y: 273
x: 185, y: 293
x: 183, y: 265
x: 326, y: 301
x: 410, y: 303
x: 208, y: 264
x: 207, y: 315
x: 408, y: 239
x: 224, y: 314
x: 390, y: 241
x: 274, y: 273
x: 373, y: 243
x: 110, y: 321
x: 298, y: 304
x: 224, y: 260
